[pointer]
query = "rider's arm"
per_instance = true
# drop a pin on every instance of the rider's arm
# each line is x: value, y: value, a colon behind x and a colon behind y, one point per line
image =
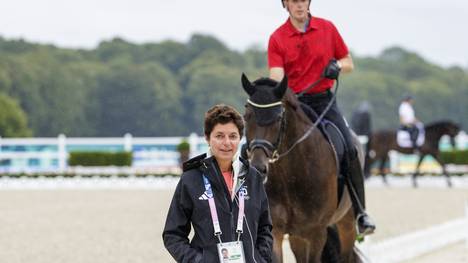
x: 346, y: 64
x: 277, y: 73
x: 275, y: 59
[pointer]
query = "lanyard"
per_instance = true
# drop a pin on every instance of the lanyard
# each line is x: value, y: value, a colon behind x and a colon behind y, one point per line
x: 214, y: 213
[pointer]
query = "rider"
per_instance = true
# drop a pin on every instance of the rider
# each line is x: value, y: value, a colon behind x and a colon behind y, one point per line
x: 408, y: 121
x: 301, y: 49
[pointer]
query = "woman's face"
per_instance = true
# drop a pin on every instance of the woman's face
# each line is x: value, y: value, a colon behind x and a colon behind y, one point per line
x: 224, y: 140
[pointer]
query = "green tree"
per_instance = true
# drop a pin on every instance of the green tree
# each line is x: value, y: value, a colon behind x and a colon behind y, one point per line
x: 209, y: 86
x: 13, y: 120
x: 143, y: 100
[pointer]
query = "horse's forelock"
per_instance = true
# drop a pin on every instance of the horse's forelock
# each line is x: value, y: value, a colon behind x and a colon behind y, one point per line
x: 265, y: 82
x: 264, y: 94
x: 264, y: 91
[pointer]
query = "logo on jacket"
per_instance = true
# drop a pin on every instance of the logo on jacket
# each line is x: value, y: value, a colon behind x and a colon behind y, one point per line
x: 208, y: 194
x: 204, y: 196
x: 243, y: 191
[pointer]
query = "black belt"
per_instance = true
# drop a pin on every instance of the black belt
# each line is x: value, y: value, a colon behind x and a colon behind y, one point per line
x: 321, y: 95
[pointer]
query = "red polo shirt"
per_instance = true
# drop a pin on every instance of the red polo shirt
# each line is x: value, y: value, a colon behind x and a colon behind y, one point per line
x: 304, y: 55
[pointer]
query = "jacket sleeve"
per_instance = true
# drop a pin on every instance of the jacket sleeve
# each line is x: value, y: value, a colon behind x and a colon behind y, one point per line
x: 177, y: 228
x: 264, y: 243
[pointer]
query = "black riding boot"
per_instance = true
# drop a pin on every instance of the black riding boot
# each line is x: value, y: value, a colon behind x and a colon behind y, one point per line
x: 356, y: 183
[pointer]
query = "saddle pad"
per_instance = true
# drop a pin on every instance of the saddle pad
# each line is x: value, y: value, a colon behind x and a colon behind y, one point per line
x: 404, y: 138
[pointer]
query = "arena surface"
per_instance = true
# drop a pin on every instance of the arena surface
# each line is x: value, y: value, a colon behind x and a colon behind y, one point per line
x: 123, y: 225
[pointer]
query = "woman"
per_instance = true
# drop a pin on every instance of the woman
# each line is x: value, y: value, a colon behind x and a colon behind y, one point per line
x: 221, y: 185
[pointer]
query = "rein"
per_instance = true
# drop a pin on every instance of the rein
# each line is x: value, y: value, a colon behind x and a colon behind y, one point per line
x: 273, y: 148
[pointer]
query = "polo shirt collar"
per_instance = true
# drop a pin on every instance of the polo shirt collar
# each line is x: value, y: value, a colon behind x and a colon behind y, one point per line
x: 313, y: 24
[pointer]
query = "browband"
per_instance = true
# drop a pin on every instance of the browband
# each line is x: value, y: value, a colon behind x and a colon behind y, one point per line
x: 264, y: 105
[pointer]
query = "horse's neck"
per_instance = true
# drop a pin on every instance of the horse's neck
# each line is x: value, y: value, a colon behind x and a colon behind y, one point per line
x: 435, y: 133
x: 297, y: 125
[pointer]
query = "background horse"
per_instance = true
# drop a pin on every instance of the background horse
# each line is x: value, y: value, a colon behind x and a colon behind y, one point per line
x: 381, y: 142
x: 301, y: 173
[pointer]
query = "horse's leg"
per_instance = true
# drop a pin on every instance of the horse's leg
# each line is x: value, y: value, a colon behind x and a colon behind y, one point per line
x: 384, y: 159
x: 444, y: 170
x: 300, y: 248
x: 278, y: 236
x: 416, y: 172
x: 347, y: 233
x: 309, y: 250
x: 317, y: 238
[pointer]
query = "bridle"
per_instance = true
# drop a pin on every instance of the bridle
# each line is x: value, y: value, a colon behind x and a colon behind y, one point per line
x: 271, y: 149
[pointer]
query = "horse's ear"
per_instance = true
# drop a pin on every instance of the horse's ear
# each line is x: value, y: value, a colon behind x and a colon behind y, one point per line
x: 281, y: 88
x: 248, y: 87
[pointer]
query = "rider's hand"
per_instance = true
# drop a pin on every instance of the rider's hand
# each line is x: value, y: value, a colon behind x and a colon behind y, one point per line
x: 332, y: 70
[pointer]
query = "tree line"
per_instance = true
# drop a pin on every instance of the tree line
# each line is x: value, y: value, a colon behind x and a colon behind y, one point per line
x: 163, y: 89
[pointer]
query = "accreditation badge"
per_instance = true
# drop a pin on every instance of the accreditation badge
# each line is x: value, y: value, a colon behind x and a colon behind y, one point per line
x: 231, y: 252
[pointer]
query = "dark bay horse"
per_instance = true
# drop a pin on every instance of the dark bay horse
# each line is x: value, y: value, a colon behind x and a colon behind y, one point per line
x: 301, y: 173
x: 381, y: 142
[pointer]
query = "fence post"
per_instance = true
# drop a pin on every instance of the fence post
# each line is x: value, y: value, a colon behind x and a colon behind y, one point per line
x: 128, y: 144
x: 461, y: 140
x: 394, y: 162
x: 193, y: 141
x: 62, y: 152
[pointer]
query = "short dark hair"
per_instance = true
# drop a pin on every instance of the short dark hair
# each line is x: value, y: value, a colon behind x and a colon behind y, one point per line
x: 223, y: 114
x: 408, y: 97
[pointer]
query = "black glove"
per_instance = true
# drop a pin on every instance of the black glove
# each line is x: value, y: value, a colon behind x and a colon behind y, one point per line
x: 332, y: 70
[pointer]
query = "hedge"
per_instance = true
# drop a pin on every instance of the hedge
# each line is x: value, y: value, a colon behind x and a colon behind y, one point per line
x: 71, y: 175
x: 459, y: 157
x: 100, y: 159
x: 183, y: 146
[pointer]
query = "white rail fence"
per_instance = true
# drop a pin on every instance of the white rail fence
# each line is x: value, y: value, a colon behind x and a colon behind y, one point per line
x: 149, y: 153
x: 412, y: 245
x: 155, y: 154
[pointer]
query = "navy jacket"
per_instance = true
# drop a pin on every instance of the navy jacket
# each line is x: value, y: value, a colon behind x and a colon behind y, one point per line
x: 189, y: 207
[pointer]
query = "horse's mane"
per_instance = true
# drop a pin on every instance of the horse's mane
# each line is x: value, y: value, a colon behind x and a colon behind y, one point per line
x: 440, y: 123
x: 291, y: 99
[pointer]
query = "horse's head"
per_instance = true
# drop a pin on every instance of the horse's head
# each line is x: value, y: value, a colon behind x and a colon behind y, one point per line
x: 445, y: 127
x: 264, y: 117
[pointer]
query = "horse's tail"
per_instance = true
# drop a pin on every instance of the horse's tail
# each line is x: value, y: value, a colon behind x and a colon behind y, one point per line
x: 331, y: 251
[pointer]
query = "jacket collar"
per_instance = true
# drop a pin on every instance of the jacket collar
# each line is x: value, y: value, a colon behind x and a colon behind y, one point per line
x: 210, y: 169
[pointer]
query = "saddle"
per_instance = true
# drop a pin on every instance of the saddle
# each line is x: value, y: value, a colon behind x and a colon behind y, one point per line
x: 405, y: 134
